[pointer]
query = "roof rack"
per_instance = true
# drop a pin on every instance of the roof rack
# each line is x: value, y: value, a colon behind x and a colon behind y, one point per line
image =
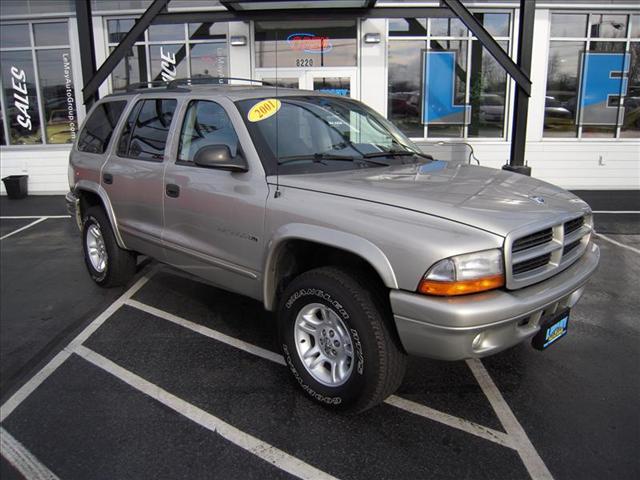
x: 210, y: 80
x: 143, y: 85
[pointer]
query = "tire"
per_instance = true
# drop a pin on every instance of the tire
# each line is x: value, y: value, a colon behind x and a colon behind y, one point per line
x: 370, y: 362
x: 113, y: 266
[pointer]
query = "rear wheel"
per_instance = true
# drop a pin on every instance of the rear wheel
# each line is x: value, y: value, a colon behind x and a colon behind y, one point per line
x: 338, y: 341
x: 107, y: 263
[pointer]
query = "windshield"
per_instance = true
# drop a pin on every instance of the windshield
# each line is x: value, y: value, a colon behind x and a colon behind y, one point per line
x: 303, y: 134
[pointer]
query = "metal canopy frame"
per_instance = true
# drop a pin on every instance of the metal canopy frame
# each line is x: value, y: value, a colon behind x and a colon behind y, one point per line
x: 157, y: 13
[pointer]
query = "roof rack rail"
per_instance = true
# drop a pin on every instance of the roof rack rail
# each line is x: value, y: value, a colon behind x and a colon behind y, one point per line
x: 142, y: 85
x: 210, y: 80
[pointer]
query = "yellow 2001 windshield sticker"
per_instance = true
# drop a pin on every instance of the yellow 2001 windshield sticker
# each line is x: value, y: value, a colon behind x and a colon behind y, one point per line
x: 264, y: 109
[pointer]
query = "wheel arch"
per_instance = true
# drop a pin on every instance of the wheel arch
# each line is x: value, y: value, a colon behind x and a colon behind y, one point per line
x: 91, y: 194
x: 289, y: 249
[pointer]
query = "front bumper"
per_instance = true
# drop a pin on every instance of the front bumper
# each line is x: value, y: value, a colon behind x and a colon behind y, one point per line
x: 73, y: 207
x: 473, y: 326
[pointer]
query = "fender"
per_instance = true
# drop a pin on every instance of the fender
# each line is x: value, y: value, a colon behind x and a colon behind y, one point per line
x: 98, y: 190
x: 333, y: 238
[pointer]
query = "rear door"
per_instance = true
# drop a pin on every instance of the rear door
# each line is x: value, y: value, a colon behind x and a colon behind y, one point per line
x: 133, y: 176
x: 214, y: 218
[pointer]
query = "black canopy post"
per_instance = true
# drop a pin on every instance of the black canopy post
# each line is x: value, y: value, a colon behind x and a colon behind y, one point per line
x: 87, y: 53
x: 521, y: 104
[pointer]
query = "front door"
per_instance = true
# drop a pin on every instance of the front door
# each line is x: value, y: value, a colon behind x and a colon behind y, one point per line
x: 214, y: 218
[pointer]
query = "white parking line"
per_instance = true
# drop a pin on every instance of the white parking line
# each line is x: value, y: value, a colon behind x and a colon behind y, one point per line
x: 615, y: 242
x: 616, y: 211
x: 404, y: 404
x: 263, y: 450
x: 20, y: 217
x: 41, y: 219
x: 34, y: 382
x: 529, y: 455
x: 22, y: 460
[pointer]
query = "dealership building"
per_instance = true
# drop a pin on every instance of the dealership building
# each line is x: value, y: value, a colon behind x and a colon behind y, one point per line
x: 431, y: 75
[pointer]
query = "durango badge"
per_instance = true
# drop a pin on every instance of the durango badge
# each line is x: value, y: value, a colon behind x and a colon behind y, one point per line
x: 264, y: 109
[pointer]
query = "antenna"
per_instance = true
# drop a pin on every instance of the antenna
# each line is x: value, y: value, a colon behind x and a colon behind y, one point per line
x: 277, y: 193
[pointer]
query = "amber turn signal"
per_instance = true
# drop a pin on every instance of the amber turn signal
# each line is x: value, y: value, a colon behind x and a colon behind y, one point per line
x: 462, y: 287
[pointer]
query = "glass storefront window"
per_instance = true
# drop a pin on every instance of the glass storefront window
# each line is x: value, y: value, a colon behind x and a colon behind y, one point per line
x: 405, y: 96
x: 306, y: 44
x: 37, y: 83
x: 571, y: 25
x: 170, y: 52
x: 586, y: 96
x: 631, y: 123
x: 478, y: 86
x: 20, y: 97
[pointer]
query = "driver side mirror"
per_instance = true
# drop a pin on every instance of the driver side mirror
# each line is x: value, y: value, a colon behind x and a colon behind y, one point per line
x: 219, y: 156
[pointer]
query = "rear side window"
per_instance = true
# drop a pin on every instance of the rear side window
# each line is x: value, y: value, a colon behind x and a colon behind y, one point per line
x: 99, y: 127
x: 144, y: 135
x: 205, y: 123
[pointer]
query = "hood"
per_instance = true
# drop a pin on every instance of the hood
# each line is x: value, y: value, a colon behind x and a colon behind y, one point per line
x: 493, y: 200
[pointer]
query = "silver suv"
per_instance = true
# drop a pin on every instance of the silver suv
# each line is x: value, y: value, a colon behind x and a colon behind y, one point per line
x: 315, y: 205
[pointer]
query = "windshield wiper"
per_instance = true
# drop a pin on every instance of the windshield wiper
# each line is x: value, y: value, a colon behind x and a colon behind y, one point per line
x: 397, y: 153
x: 321, y: 157
x: 316, y: 158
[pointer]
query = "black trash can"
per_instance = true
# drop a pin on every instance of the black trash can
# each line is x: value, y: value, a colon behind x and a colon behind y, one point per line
x: 16, y: 186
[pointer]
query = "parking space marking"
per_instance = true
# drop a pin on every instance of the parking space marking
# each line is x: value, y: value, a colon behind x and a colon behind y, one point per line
x: 412, y: 407
x: 529, y: 455
x: 27, y: 389
x: 41, y: 219
x: 452, y: 421
x: 263, y: 450
x: 616, y: 211
x: 615, y: 242
x: 25, y: 217
x: 207, y: 332
x: 22, y: 460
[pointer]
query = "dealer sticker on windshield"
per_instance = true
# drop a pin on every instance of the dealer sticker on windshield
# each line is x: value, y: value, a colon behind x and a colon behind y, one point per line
x: 264, y: 109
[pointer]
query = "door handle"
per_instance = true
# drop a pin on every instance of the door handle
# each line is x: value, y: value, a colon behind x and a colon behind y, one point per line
x: 173, y: 190
x: 107, y: 178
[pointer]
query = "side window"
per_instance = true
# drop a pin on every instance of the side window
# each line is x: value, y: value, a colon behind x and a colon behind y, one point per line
x: 144, y: 135
x: 99, y: 127
x: 205, y: 123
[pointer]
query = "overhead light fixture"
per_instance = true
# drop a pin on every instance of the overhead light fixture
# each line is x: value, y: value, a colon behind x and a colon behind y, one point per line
x: 372, y: 38
x: 237, y: 40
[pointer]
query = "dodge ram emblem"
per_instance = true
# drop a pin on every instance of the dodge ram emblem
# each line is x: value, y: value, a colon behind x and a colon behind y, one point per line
x: 538, y: 200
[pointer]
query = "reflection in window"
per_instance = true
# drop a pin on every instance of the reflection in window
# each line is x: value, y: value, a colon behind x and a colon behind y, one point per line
x: 51, y: 34
x: 198, y: 50
x: 149, y: 136
x: 606, y: 113
x: 131, y: 69
x: 205, y: 123
x: 168, y: 62
x: 487, y: 93
x: 20, y: 97
x: 562, y: 89
x: 56, y: 84
x: 99, y: 127
x: 631, y: 125
x: 405, y: 96
x: 306, y: 44
x: 282, y: 82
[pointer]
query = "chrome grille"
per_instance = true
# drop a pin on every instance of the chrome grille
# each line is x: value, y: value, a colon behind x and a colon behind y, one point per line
x: 533, y: 256
x: 532, y: 240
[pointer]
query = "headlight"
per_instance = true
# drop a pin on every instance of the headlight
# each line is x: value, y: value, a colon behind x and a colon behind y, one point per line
x: 462, y: 274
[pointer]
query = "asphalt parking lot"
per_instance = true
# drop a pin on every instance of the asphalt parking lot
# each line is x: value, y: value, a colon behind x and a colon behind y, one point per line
x: 171, y: 378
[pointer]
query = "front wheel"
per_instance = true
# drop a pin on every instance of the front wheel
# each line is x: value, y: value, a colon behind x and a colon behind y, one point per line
x: 337, y: 340
x: 107, y: 263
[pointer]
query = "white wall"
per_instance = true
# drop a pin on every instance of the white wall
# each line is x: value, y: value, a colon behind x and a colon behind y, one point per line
x: 46, y: 167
